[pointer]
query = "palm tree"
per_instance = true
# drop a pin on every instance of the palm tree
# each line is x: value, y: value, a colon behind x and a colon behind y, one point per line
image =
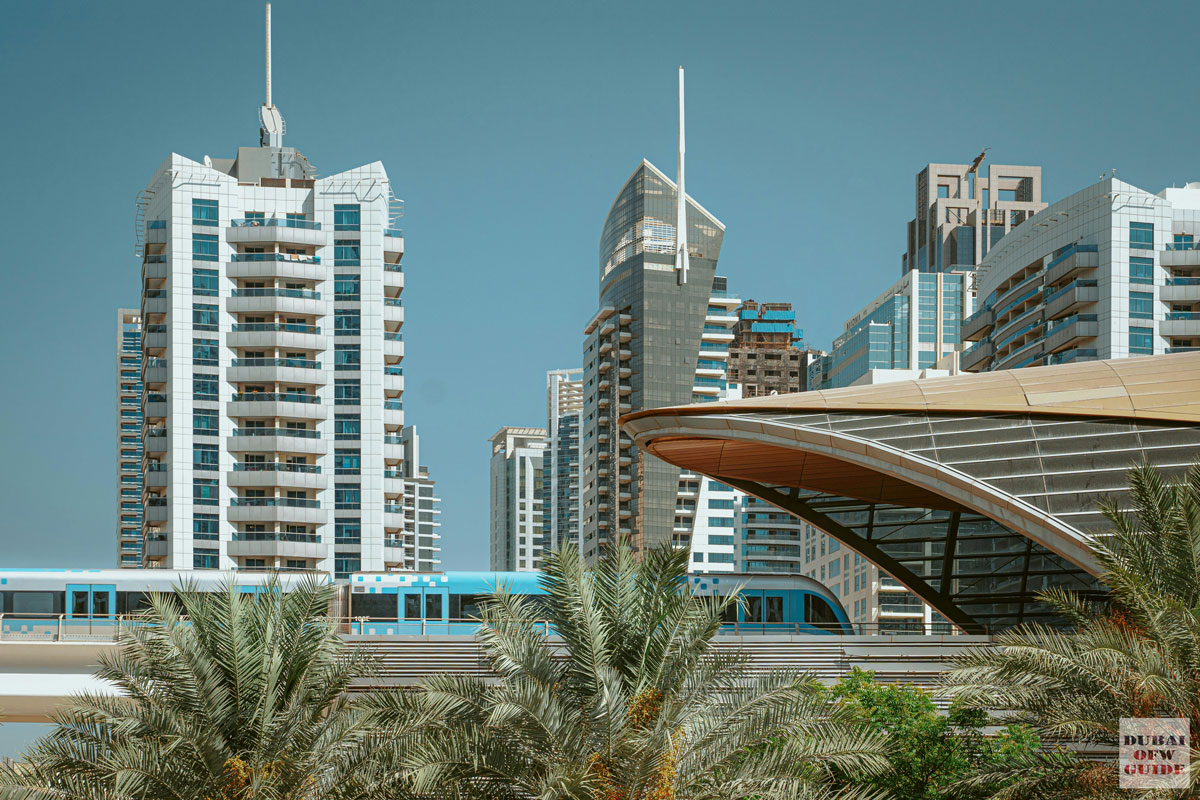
x: 1137, y: 656
x: 627, y: 699
x: 224, y: 695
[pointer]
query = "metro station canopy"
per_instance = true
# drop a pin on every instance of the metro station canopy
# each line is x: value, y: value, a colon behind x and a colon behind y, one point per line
x: 975, y: 491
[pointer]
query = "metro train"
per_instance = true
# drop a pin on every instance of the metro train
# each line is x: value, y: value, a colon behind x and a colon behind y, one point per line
x: 42, y: 602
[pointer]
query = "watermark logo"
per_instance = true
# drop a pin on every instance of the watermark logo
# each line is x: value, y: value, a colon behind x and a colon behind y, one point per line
x: 1154, y: 752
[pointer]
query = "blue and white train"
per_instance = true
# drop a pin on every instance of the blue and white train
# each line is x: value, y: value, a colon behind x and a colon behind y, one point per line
x: 40, y: 602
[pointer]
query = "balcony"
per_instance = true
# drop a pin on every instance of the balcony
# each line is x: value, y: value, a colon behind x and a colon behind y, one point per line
x: 976, y: 355
x: 277, y: 404
x: 1071, y: 331
x: 284, y: 475
x: 275, y: 370
x: 275, y: 509
x: 974, y: 325
x: 271, y: 231
x: 1075, y: 295
x: 154, y: 440
x: 276, y: 334
x: 293, y: 545
x: 1180, y: 323
x: 1180, y: 289
x: 1079, y: 260
x: 275, y: 440
x: 154, y: 302
x: 306, y: 302
x: 393, y: 310
x: 1183, y: 254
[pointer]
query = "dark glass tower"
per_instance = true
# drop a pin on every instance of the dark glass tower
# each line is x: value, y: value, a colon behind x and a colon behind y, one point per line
x: 641, y: 352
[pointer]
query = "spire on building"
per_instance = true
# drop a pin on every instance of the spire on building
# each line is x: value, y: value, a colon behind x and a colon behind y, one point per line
x: 271, y: 126
x: 681, y: 249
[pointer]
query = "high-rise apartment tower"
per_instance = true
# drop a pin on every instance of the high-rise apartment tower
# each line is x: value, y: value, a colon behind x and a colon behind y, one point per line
x: 517, y: 518
x: 273, y: 381
x: 129, y: 437
x: 560, y: 476
x: 660, y: 337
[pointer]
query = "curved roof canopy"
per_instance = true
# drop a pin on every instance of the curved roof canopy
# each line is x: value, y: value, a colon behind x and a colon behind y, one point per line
x: 1018, y: 459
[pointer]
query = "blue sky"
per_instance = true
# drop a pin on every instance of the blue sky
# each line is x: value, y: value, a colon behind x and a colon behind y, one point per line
x: 508, y: 129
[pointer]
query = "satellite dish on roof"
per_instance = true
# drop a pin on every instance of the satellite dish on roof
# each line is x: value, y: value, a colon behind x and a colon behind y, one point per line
x: 272, y: 120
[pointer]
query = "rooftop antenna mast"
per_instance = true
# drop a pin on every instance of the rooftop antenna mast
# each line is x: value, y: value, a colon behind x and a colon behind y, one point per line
x: 270, y: 132
x: 681, y: 248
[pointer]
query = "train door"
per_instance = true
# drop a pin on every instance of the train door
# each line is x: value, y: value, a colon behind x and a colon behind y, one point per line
x: 412, y: 602
x: 774, y: 611
x: 90, y: 606
x: 437, y: 610
x: 750, y: 615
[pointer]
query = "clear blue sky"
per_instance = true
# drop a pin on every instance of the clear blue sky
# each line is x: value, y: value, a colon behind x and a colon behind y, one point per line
x: 508, y: 129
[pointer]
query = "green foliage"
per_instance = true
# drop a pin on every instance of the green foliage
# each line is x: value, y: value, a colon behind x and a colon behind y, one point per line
x: 632, y: 702
x: 1139, y: 656
x: 243, y: 698
x: 928, y: 753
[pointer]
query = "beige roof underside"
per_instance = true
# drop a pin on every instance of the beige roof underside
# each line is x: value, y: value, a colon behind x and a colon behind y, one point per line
x: 1163, y: 388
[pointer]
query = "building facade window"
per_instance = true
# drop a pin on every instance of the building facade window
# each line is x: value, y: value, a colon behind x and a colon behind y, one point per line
x: 346, y: 426
x: 346, y: 216
x: 205, y: 491
x: 204, y: 423
x: 344, y: 564
x: 1141, y: 270
x: 1141, y: 341
x: 347, y: 287
x: 347, y: 496
x: 206, y: 213
x: 206, y: 457
x: 205, y: 387
x: 346, y: 391
x: 347, y: 530
x: 347, y: 357
x: 347, y: 462
x: 1141, y: 305
x: 204, y: 352
x: 206, y: 527
x: 346, y: 322
x: 1141, y: 236
x: 204, y: 317
x: 204, y: 282
x: 205, y: 247
x: 205, y: 558
x: 346, y: 253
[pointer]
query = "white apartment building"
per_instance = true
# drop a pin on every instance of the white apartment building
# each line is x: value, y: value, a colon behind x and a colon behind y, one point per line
x: 421, y: 507
x: 274, y: 423
x: 1108, y: 272
x: 517, y: 523
x: 129, y: 438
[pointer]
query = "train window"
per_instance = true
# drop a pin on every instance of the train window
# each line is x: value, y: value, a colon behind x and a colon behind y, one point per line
x: 466, y: 606
x: 79, y: 604
x: 433, y: 606
x: 754, y: 609
x: 100, y: 604
x: 412, y: 606
x: 374, y: 606
x: 132, y: 602
x: 819, y: 613
x: 730, y: 612
x: 33, y: 602
x: 774, y: 606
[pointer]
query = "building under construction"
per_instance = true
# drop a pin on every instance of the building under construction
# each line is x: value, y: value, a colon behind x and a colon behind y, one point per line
x: 767, y: 355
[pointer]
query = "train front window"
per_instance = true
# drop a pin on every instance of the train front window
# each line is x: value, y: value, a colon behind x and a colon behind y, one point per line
x: 819, y: 613
x: 774, y: 607
x: 754, y: 609
x: 79, y: 605
x: 433, y: 606
x: 412, y: 606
